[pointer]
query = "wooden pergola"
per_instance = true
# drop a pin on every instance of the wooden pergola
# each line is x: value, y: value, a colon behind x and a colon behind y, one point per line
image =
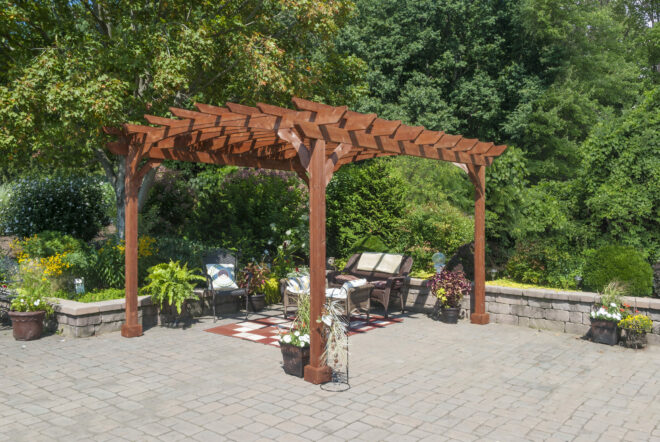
x: 314, y: 141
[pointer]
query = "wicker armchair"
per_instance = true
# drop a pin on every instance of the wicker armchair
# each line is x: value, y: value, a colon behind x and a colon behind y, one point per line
x: 387, y: 285
x: 223, y: 256
x: 357, y: 299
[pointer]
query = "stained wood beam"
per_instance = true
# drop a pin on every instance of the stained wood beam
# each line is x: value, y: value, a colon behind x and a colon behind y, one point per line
x: 220, y: 158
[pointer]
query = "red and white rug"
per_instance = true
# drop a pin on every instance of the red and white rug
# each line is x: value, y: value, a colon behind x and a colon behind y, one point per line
x: 267, y: 330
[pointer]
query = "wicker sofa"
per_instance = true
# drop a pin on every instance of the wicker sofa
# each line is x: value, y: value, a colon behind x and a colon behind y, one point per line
x: 387, y: 272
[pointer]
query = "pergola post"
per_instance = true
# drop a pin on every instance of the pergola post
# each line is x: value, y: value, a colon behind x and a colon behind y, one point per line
x: 316, y: 372
x: 131, y: 328
x: 478, y: 176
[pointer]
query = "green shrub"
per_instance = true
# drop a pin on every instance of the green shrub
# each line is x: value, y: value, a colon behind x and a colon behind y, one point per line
x: 248, y: 210
x: 369, y: 243
x: 102, y: 295
x: 545, y: 262
x: 169, y: 207
x: 272, y: 291
x: 50, y: 243
x: 73, y: 205
x: 431, y: 228
x: 184, y: 250
x: 619, y: 263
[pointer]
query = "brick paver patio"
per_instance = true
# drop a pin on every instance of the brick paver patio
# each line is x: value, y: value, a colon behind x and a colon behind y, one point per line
x: 411, y: 381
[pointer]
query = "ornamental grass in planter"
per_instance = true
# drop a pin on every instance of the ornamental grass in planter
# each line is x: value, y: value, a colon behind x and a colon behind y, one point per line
x: 295, y: 343
x: 449, y: 288
x: 605, y: 316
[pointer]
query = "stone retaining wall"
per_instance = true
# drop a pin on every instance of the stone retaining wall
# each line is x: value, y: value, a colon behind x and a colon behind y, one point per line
x: 561, y: 311
x: 79, y: 320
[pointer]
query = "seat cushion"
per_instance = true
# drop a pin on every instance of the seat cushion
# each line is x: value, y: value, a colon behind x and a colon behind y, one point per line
x: 335, y: 293
x: 222, y: 276
x: 298, y: 284
x: 341, y: 279
x: 230, y: 292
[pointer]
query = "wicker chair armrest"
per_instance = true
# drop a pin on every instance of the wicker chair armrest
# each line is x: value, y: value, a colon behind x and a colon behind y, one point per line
x: 360, y: 293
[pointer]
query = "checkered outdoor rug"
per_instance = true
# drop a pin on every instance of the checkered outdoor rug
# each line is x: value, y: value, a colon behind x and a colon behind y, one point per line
x: 267, y: 330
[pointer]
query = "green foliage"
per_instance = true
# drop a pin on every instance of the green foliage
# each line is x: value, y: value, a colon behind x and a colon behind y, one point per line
x: 49, y: 243
x: 620, y: 178
x: 363, y: 199
x: 73, y: 205
x: 545, y: 262
x: 249, y: 210
x: 8, y: 269
x: 169, y: 207
x: 272, y: 290
x: 171, y: 284
x: 173, y: 248
x: 430, y: 228
x: 369, y: 243
x: 102, y: 295
x: 33, y: 288
x: 619, y: 263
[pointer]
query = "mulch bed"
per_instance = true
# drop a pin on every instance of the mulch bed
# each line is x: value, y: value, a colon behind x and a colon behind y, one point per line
x: 267, y: 330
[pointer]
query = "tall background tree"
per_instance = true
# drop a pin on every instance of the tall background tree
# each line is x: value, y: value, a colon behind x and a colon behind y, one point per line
x: 70, y: 68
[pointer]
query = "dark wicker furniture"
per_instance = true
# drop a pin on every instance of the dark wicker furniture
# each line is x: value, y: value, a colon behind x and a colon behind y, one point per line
x: 386, y: 285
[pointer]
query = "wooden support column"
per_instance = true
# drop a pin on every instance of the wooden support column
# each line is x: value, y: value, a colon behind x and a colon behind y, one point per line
x: 478, y: 177
x: 131, y: 327
x: 317, y: 372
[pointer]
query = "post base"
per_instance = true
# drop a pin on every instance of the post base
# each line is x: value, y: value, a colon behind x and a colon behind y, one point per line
x: 318, y: 375
x: 131, y: 331
x: 479, y: 318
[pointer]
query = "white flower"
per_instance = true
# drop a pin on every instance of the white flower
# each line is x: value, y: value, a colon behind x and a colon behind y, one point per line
x: 302, y: 344
x: 297, y: 333
x: 22, y: 301
x: 287, y: 339
x: 593, y: 314
x: 37, y: 302
x: 288, y: 232
x: 305, y: 338
x: 612, y: 305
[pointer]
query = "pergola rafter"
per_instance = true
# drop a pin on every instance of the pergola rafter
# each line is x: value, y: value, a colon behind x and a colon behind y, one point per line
x: 314, y: 141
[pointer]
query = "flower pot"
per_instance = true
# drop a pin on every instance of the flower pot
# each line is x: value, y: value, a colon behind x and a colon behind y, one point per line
x: 27, y: 325
x: 257, y: 302
x: 605, y: 332
x: 450, y: 315
x: 294, y: 359
x: 632, y: 339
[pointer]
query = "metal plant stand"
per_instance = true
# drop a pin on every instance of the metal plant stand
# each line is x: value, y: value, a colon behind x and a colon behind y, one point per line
x: 339, y: 381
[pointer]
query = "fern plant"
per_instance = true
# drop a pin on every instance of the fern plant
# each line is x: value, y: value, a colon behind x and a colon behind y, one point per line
x: 171, y: 283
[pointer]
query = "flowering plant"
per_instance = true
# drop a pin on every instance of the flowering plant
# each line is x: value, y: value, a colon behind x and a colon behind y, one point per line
x: 32, y: 289
x: 259, y: 273
x: 610, y: 307
x: 449, y: 288
x: 636, y: 324
x: 298, y: 334
x: 31, y: 303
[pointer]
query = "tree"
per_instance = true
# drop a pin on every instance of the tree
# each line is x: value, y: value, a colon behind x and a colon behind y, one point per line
x: 70, y: 68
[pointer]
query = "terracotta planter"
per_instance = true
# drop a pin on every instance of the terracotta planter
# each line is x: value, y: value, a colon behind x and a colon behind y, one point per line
x: 27, y: 325
x: 294, y: 359
x: 450, y: 315
x: 257, y: 302
x: 605, y: 332
x: 633, y: 339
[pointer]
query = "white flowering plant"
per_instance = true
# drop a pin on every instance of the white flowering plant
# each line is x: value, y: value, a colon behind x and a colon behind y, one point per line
x: 611, y: 307
x: 31, y: 303
x: 298, y: 334
x: 612, y: 312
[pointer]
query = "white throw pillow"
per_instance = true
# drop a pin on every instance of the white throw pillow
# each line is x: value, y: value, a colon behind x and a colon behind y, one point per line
x: 351, y: 285
x: 298, y: 285
x: 222, y: 276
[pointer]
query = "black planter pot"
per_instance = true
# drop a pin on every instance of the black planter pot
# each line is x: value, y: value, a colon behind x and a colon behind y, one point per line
x: 605, y: 332
x: 257, y: 302
x: 450, y: 315
x: 633, y: 339
x: 294, y: 359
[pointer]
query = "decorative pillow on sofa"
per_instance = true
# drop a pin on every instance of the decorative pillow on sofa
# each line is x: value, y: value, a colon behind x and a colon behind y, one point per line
x: 298, y: 284
x: 222, y: 276
x: 380, y: 262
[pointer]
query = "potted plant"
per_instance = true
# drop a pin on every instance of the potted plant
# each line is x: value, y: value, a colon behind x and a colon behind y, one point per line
x: 606, y: 315
x: 295, y: 343
x: 635, y: 327
x: 171, y: 284
x: 256, y: 286
x: 30, y: 307
x: 449, y: 288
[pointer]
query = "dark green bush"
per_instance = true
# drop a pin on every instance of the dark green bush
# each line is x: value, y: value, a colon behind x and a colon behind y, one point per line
x: 545, y: 262
x: 67, y: 204
x: 363, y: 199
x: 169, y: 207
x: 619, y: 263
x: 369, y: 243
x: 248, y: 210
